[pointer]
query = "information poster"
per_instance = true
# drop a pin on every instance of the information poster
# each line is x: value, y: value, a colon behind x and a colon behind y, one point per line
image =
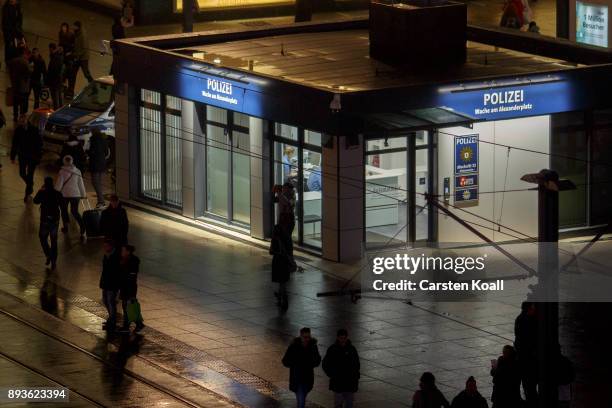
x: 466, y: 170
x: 592, y: 24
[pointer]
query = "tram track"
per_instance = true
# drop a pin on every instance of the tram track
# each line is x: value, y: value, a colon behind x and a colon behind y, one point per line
x: 182, y: 400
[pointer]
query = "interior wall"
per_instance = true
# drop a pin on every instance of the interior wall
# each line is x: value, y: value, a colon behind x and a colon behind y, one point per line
x: 515, y: 210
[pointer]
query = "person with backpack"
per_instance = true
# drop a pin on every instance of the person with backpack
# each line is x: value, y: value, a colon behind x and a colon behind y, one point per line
x: 50, y: 201
x: 70, y: 183
x: 27, y: 147
x: 301, y: 357
x: 341, y: 365
x: 129, y: 265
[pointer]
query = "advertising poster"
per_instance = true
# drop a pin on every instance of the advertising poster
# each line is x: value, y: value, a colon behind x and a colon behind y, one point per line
x: 592, y: 24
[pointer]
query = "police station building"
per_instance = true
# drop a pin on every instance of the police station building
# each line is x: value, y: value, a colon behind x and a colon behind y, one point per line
x: 208, y: 123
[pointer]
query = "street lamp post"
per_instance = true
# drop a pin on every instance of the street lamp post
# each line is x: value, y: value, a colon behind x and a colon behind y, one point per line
x: 547, y: 289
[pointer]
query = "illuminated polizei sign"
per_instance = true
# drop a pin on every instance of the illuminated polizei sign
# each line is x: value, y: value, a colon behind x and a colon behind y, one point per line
x: 218, y: 90
x: 592, y: 24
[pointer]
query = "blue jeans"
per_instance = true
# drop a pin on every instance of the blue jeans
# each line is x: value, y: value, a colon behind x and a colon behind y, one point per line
x: 300, y: 396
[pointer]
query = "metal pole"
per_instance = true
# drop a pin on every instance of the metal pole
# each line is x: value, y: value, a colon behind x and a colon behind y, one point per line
x: 188, y: 6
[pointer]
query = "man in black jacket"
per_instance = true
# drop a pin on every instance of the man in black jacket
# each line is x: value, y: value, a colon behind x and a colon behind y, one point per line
x: 50, y: 201
x: 114, y: 222
x: 110, y: 283
x: 98, y: 149
x: 27, y: 147
x: 55, y: 75
x: 20, y: 71
x: 39, y: 75
x: 341, y: 364
x: 301, y: 358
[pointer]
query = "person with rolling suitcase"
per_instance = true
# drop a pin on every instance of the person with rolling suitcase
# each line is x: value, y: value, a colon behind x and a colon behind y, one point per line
x: 129, y: 265
x: 70, y: 183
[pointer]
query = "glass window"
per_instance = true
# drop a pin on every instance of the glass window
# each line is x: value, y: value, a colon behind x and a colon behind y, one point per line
x: 286, y: 131
x: 217, y: 115
x: 174, y: 160
x: 217, y: 169
x: 312, y: 138
x: 313, y: 192
x: 150, y: 97
x: 150, y: 153
x: 96, y: 97
x: 386, y: 144
x: 240, y: 119
x: 173, y: 102
x: 241, y: 178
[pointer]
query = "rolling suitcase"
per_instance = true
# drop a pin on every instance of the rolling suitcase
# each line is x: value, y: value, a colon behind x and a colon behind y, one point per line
x: 91, y: 218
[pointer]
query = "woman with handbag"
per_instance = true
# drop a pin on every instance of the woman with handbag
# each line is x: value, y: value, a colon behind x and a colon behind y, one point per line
x: 70, y: 183
x: 129, y: 265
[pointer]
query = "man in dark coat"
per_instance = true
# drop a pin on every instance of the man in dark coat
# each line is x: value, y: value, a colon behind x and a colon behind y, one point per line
x: 129, y: 265
x: 27, y: 147
x: 81, y: 55
x: 39, y: 75
x: 12, y: 27
x: 55, y: 74
x: 20, y: 72
x: 341, y: 364
x: 281, y: 249
x: 114, y: 222
x: 110, y: 282
x: 301, y: 358
x: 526, y: 346
x: 50, y: 201
x: 470, y: 397
x: 98, y: 149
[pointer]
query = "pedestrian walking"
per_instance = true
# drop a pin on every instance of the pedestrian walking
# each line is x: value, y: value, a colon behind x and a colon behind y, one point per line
x: 429, y: 396
x: 470, y: 397
x: 55, y: 75
x: 81, y: 55
x: 74, y: 148
x: 27, y: 147
x: 50, y: 201
x: 129, y: 265
x: 114, y: 222
x: 526, y: 346
x: 281, y: 249
x: 98, y: 149
x: 506, y: 380
x: 70, y: 183
x: 20, y: 71
x: 301, y: 357
x: 341, y: 365
x: 12, y: 27
x: 286, y: 198
x: 110, y: 283
x: 39, y: 75
x: 66, y: 43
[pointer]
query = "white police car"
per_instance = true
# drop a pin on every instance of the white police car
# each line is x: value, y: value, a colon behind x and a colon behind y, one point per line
x: 92, y: 108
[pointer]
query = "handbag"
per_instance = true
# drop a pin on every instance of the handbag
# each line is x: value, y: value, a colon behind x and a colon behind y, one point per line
x: 133, y: 311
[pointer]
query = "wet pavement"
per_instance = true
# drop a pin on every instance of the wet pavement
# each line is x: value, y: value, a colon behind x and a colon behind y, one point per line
x: 213, y: 332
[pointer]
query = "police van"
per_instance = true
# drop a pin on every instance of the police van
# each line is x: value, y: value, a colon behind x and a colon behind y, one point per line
x: 93, y: 108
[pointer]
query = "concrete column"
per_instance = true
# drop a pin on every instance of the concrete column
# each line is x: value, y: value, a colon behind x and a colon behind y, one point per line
x: 187, y: 148
x: 343, y: 200
x: 122, y: 145
x: 261, y: 195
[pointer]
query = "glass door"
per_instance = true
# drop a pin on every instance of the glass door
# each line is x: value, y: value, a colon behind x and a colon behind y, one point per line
x: 217, y: 171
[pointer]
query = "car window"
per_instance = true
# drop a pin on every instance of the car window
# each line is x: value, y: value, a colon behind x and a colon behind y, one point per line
x: 96, y: 96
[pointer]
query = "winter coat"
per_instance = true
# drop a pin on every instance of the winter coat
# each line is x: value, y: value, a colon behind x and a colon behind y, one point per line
x: 429, y: 399
x: 75, y: 149
x: 506, y: 383
x: 55, y: 69
x: 70, y: 182
x: 66, y: 41
x: 464, y: 400
x: 20, y: 72
x: 281, y: 249
x: 39, y: 71
x: 301, y: 362
x: 12, y: 21
x: 80, y: 46
x: 111, y: 271
x: 27, y: 144
x: 50, y: 204
x: 114, y: 224
x: 98, y: 148
x: 341, y: 364
x: 129, y: 277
